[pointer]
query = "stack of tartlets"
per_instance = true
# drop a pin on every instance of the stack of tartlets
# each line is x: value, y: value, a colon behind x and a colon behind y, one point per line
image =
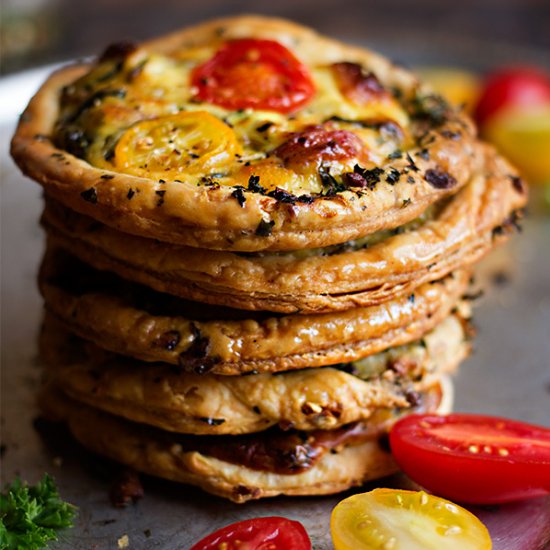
x: 259, y: 243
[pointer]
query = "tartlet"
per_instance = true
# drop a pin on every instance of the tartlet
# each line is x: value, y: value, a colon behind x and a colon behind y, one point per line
x: 369, y: 148
x: 258, y: 255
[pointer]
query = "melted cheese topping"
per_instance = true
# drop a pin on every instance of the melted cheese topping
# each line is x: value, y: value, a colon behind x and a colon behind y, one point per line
x: 116, y: 95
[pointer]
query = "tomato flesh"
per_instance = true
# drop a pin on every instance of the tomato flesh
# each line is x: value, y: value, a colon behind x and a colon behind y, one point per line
x: 317, y: 144
x: 256, y: 74
x: 520, y: 87
x: 359, y: 85
x: 169, y: 146
x: 393, y: 519
x: 269, y: 533
x: 474, y: 458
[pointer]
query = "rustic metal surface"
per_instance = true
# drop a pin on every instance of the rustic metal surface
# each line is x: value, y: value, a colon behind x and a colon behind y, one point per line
x: 508, y: 375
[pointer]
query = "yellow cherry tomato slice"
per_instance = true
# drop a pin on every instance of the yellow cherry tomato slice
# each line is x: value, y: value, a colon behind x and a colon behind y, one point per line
x: 394, y: 519
x: 173, y: 146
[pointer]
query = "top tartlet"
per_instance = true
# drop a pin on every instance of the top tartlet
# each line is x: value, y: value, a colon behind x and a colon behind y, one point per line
x: 244, y: 134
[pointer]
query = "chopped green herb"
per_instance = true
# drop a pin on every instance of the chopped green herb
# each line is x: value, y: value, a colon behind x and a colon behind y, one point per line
x: 423, y: 154
x: 371, y: 177
x: 397, y: 154
x: 431, y: 108
x: 393, y: 176
x: 254, y: 184
x: 282, y: 196
x: 160, y: 194
x: 90, y: 195
x: 264, y: 228
x: 31, y: 516
x: 94, y: 100
x: 238, y: 194
x: 411, y: 164
x: 330, y: 185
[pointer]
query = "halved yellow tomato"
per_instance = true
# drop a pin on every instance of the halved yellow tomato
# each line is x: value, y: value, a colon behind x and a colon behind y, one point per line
x: 394, y: 519
x: 169, y: 147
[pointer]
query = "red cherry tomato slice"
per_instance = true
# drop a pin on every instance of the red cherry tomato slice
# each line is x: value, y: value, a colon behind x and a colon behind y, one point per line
x: 512, y: 88
x: 270, y: 533
x: 256, y: 74
x: 473, y: 458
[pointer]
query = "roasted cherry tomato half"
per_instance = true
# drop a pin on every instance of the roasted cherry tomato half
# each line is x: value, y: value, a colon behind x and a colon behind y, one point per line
x: 358, y: 84
x: 473, y: 458
x: 317, y: 144
x: 393, y: 519
x: 171, y: 146
x: 256, y: 74
x: 520, y: 87
x: 270, y: 533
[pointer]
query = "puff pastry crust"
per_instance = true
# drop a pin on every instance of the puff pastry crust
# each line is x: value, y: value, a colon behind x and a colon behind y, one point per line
x: 308, y: 399
x: 158, y: 453
x: 363, y: 273
x: 433, y: 155
x: 135, y: 321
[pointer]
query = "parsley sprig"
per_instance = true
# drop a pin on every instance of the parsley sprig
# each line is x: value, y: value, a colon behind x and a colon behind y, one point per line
x: 31, y: 516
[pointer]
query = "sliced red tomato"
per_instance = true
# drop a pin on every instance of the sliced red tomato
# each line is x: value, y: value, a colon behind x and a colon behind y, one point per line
x: 394, y: 519
x: 269, y: 533
x: 256, y: 74
x: 519, y: 87
x: 473, y: 458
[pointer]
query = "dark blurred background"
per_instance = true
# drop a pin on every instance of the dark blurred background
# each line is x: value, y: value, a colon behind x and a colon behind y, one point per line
x: 476, y: 34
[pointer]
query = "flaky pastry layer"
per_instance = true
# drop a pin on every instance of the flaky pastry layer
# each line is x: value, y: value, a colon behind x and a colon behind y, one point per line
x: 158, y: 453
x: 355, y: 274
x: 136, y: 321
x: 308, y: 399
